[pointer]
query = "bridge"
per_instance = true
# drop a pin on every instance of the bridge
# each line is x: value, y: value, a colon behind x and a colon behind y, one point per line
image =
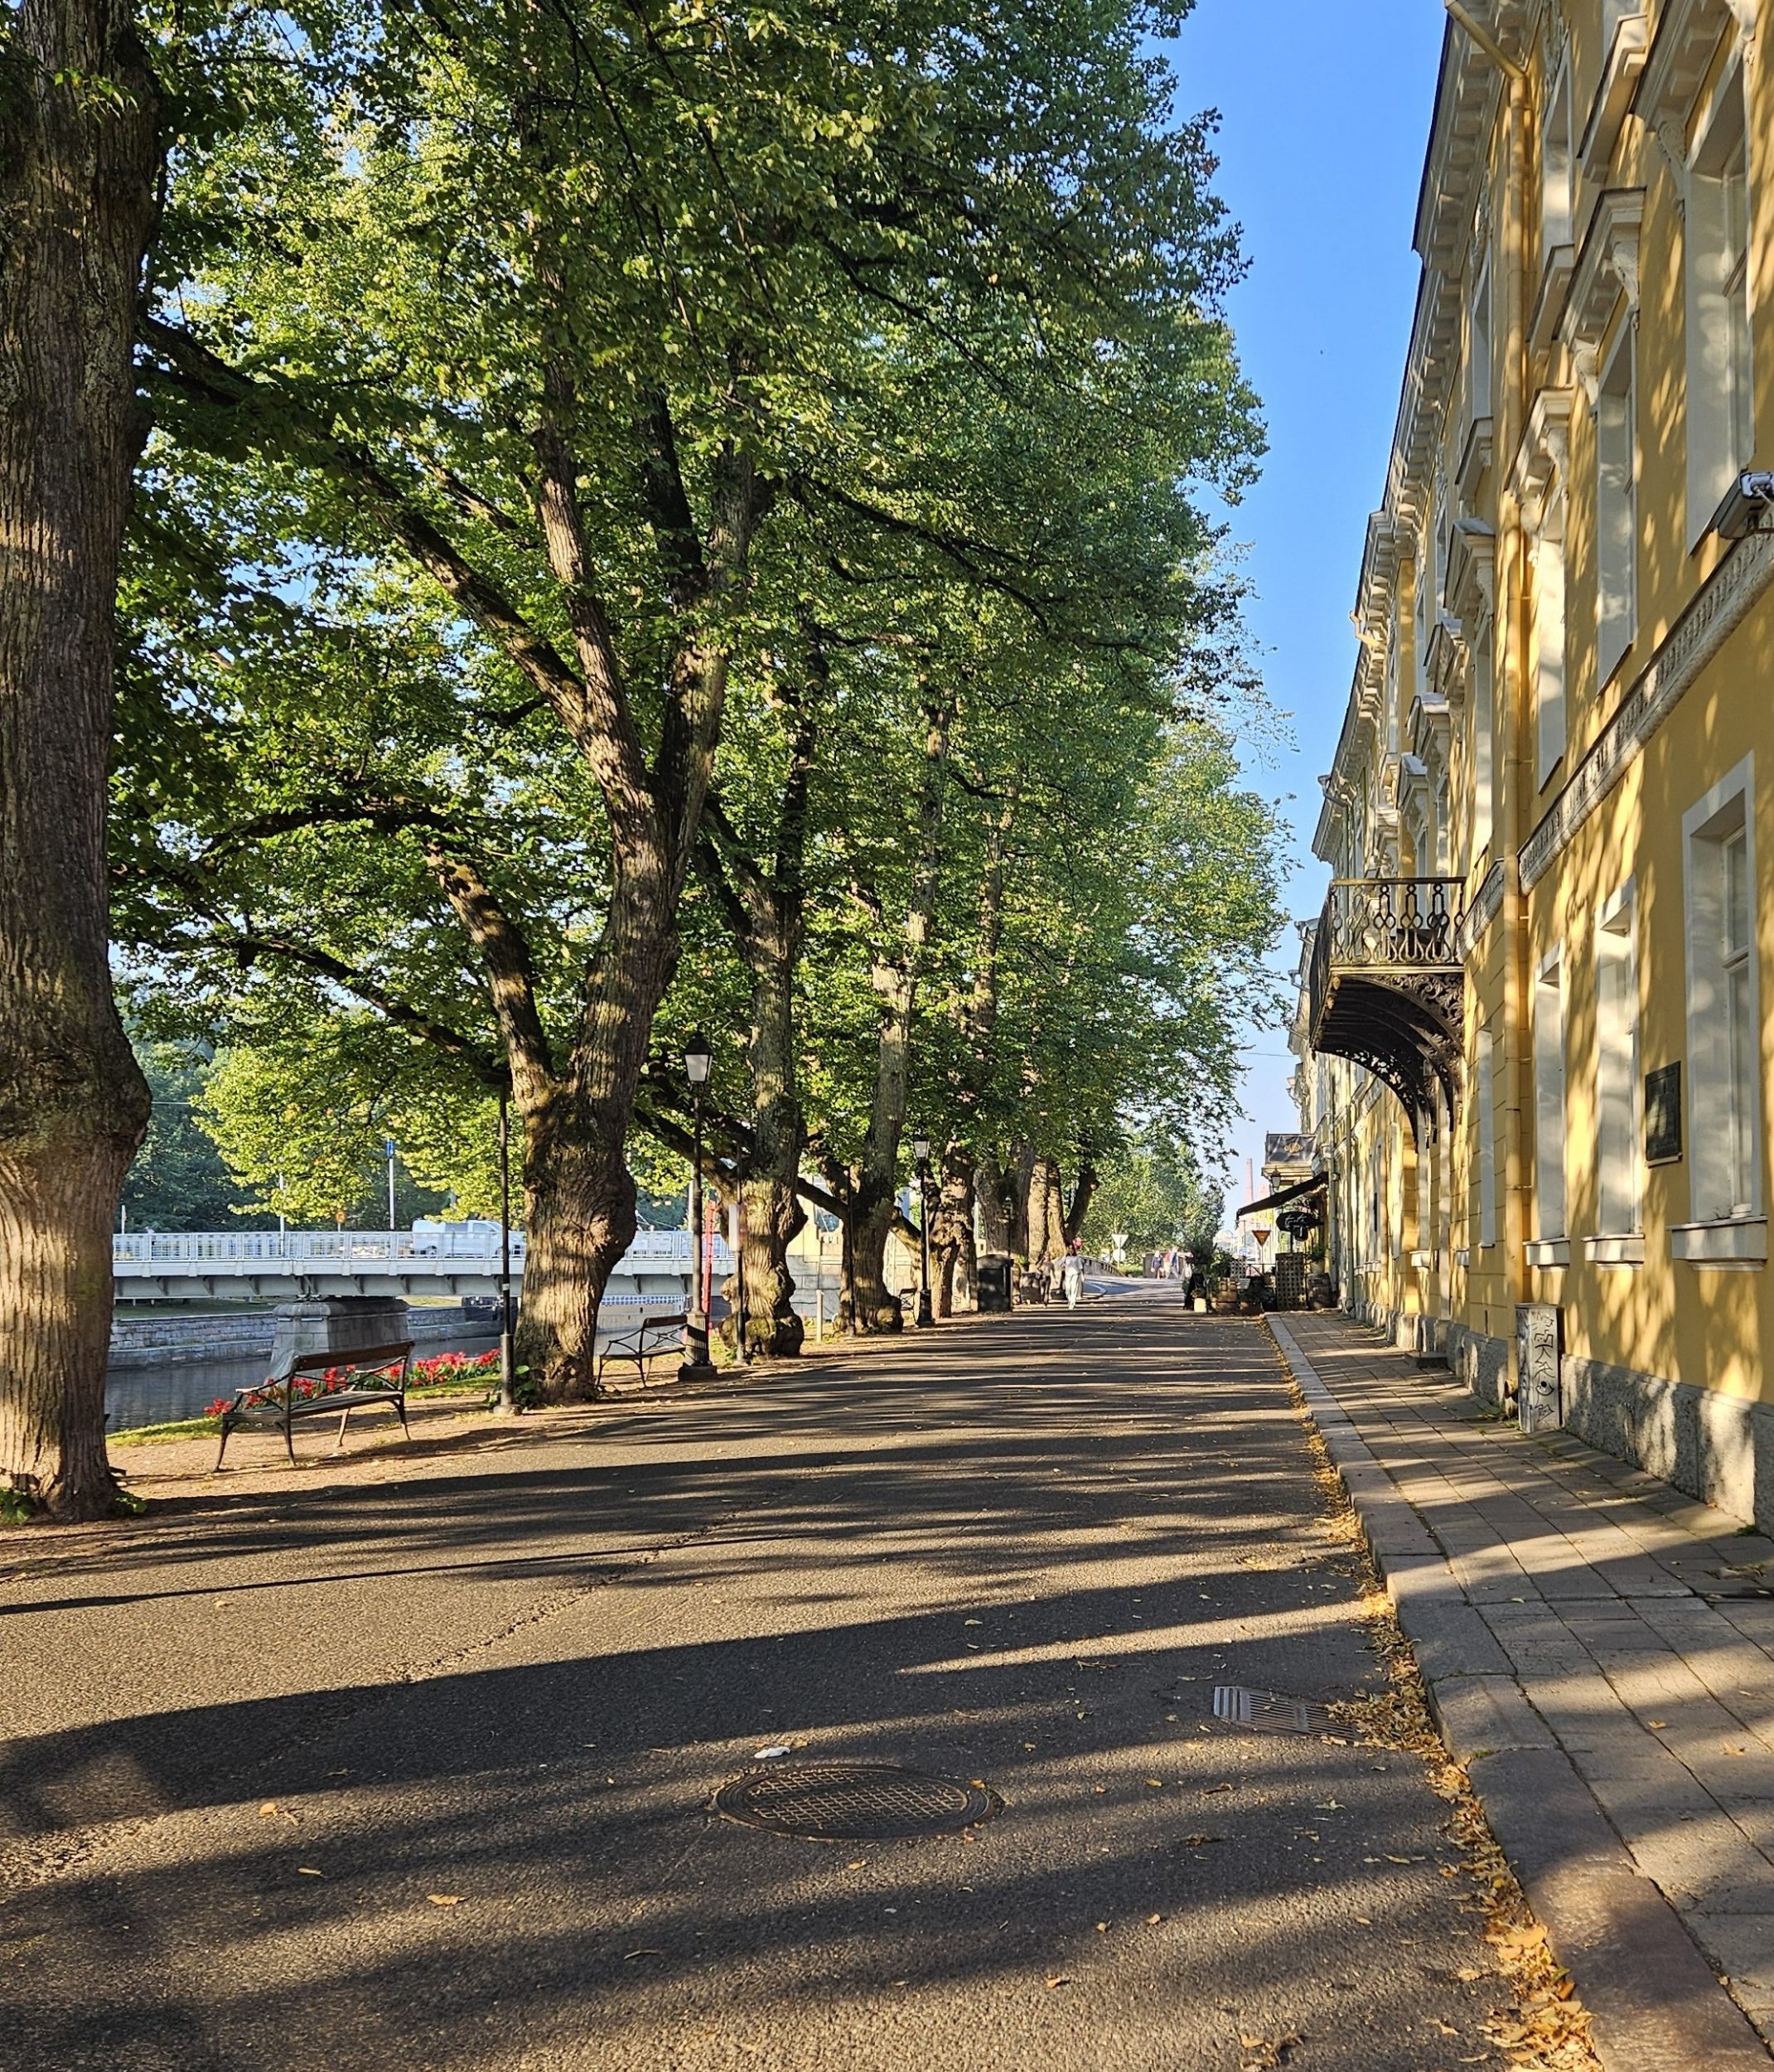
x: 301, y: 1264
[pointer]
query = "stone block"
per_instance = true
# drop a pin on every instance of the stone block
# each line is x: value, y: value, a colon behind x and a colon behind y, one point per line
x: 338, y: 1324
x: 1483, y: 1714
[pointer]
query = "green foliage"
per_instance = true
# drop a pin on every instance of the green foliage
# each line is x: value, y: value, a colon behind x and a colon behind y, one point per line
x: 178, y: 1181
x: 1155, y: 1194
x: 948, y: 288
x: 304, y: 1132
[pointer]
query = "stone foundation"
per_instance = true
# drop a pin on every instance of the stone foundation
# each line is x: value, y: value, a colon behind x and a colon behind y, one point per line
x: 1717, y: 1448
x: 1485, y: 1364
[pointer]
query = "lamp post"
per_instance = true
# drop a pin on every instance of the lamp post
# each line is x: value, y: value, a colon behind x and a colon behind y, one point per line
x: 697, y: 1366
x: 507, y: 1399
x: 921, y: 1152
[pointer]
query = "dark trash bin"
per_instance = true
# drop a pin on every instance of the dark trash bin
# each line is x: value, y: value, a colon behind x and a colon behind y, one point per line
x: 994, y: 1284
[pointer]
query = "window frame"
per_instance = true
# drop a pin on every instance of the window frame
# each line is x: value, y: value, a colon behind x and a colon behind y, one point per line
x: 1724, y: 1090
x: 1551, y: 1185
x: 1620, y: 1189
x: 1720, y: 353
x: 1617, y: 481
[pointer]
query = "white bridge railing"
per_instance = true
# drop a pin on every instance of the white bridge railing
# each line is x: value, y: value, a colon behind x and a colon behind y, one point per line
x: 354, y: 1251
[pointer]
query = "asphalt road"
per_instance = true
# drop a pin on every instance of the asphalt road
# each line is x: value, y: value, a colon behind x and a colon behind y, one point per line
x: 246, y: 1746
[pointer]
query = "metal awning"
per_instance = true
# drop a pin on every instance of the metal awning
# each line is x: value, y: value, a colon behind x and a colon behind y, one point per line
x: 1280, y: 1200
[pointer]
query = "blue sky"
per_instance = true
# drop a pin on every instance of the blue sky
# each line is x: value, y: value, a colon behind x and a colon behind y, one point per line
x: 1325, y: 114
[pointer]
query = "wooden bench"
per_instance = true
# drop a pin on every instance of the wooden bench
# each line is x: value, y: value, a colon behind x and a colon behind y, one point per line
x: 372, y: 1376
x: 652, y: 1336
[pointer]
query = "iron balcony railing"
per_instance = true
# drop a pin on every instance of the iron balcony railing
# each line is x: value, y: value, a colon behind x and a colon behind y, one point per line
x: 1385, y: 928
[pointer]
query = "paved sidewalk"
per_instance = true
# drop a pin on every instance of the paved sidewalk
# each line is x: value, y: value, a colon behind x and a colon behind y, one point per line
x: 1596, y: 1657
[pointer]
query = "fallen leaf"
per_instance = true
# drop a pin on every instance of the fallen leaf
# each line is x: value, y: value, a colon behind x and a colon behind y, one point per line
x: 634, y: 1954
x: 445, y: 1898
x: 1062, y: 1979
x: 308, y: 1871
x: 763, y: 1754
x: 1657, y: 1724
x: 1152, y: 1919
x: 268, y: 1809
x: 1156, y: 1783
x: 1364, y: 1920
x: 860, y: 1864
x: 1466, y: 1974
x: 1201, y: 1842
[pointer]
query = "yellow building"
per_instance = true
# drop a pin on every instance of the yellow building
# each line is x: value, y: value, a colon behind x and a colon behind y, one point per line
x: 1536, y: 1047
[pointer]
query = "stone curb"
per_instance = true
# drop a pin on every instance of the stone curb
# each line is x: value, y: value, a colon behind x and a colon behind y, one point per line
x: 1655, y: 2002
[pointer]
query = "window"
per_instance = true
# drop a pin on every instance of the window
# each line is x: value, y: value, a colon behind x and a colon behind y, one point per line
x: 1615, y: 511
x: 1484, y: 736
x: 1549, y: 1097
x: 1724, y: 1078
x: 1548, y: 635
x: 1616, y: 1069
x: 1721, y: 429
x: 1478, y: 355
x: 1556, y: 166
x: 1486, y: 1136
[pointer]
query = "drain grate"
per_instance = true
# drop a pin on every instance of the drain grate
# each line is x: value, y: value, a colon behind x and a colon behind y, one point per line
x: 853, y: 1801
x: 1269, y: 1712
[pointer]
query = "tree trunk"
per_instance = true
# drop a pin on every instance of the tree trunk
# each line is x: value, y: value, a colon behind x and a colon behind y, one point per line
x: 1083, y: 1195
x: 78, y: 172
x: 1022, y: 1182
x: 896, y: 982
x: 579, y: 1195
x: 773, y: 1218
x: 956, y: 1271
x: 995, y: 1213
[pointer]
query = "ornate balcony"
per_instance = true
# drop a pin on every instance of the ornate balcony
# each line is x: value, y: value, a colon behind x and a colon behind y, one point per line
x: 1385, y: 984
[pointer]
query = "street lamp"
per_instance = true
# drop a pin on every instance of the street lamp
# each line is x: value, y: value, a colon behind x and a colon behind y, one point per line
x: 697, y: 1366
x: 507, y: 1399
x: 921, y: 1152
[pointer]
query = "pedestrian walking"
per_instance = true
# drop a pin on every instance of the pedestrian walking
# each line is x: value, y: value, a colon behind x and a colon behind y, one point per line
x: 1071, y: 1277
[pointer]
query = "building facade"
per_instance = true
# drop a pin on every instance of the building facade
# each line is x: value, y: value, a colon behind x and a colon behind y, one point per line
x: 1535, y: 1039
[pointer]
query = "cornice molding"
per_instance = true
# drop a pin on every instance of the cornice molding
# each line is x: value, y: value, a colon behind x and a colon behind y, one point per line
x: 1621, y: 72
x: 1544, y: 455
x: 1484, y: 906
x: 1721, y: 605
x: 1606, y: 270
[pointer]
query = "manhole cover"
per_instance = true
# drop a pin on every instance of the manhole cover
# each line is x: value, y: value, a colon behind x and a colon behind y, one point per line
x: 1270, y: 1713
x: 853, y: 1801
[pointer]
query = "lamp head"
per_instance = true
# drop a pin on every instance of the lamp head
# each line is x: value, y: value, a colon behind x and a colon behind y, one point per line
x: 698, y: 1058
x: 920, y: 1146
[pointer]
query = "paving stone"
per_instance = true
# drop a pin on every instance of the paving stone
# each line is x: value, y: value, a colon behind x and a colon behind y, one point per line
x: 1482, y: 1715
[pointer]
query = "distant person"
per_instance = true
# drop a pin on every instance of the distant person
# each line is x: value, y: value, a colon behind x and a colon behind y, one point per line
x: 1071, y: 1277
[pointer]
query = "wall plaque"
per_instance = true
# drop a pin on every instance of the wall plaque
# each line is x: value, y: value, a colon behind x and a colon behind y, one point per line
x: 1663, y: 1114
x: 1539, y: 1402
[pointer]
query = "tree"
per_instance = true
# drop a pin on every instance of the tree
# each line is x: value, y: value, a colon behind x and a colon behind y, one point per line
x: 178, y: 1181
x: 79, y: 158
x: 599, y: 343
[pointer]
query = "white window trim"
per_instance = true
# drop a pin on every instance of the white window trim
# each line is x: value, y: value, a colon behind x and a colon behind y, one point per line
x: 1617, y: 919
x: 1487, y: 1141
x: 1704, y: 1017
x: 1616, y: 561
x: 1712, y: 464
x: 1549, y: 644
x: 1551, y: 1175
